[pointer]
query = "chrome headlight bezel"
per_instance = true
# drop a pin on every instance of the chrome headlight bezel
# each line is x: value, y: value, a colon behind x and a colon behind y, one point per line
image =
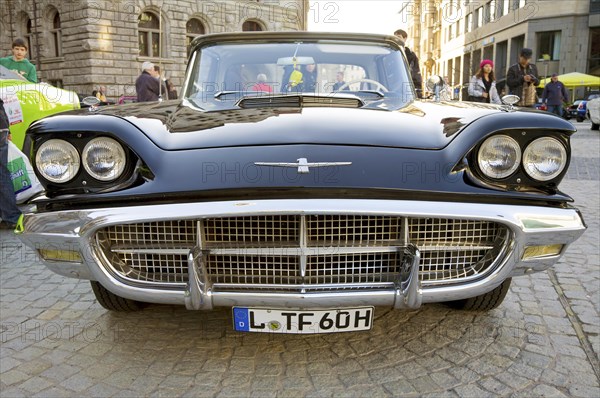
x: 70, y: 162
x: 489, y: 152
x: 538, y: 152
x: 115, y: 150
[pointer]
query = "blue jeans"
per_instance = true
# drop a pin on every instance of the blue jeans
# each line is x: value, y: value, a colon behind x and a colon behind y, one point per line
x: 556, y: 109
x: 9, y: 212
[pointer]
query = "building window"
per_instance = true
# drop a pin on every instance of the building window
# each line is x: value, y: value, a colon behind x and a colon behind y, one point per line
x: 488, y: 12
x: 193, y: 28
x: 55, y: 35
x: 149, y: 39
x: 251, y: 26
x: 56, y: 83
x: 468, y: 23
x: 549, y: 45
x: 27, y: 33
x: 502, y: 7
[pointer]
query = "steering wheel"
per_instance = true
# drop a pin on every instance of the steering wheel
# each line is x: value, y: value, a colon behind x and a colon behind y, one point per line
x: 375, y: 82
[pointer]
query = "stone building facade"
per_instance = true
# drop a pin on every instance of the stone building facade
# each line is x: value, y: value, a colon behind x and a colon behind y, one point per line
x: 83, y: 44
x: 451, y: 37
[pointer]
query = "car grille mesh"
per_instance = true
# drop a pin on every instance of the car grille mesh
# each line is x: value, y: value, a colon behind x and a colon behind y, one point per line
x: 277, y: 252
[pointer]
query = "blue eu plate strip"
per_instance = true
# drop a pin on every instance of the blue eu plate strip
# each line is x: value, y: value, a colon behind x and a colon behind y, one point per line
x: 241, y: 319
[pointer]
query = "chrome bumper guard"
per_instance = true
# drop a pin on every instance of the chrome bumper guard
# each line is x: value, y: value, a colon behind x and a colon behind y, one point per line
x: 199, y: 295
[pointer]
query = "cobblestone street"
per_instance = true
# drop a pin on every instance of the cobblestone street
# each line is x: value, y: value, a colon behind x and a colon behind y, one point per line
x: 544, y: 340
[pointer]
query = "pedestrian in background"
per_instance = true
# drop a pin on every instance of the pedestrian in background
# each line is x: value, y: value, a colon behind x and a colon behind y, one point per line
x: 554, y: 94
x: 482, y: 87
x: 522, y: 79
x: 9, y: 212
x: 339, y: 82
x: 18, y: 62
x: 101, y: 94
x: 413, y: 63
x: 146, y: 85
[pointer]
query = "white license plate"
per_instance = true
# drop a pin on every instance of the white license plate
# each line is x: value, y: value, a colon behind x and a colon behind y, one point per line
x: 302, y: 321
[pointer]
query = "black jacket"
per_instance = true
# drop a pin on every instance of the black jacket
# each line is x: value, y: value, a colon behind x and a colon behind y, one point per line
x: 147, y: 87
x: 515, y: 77
x: 3, y: 118
x: 415, y: 69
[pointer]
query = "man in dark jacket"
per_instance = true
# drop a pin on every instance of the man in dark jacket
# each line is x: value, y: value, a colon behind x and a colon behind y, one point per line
x: 413, y: 63
x: 9, y: 212
x: 522, y: 79
x: 555, y: 93
x: 146, y: 85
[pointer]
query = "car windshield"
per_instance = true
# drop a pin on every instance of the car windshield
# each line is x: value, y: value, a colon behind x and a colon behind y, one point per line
x: 229, y: 71
x: 6, y: 74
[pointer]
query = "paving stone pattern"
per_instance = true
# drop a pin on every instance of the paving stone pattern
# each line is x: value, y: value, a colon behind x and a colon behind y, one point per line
x: 55, y: 340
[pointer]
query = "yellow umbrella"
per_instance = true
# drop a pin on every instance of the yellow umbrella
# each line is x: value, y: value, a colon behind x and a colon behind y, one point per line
x: 574, y: 79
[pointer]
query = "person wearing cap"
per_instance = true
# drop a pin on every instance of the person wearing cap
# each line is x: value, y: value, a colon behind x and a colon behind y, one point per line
x: 18, y: 63
x: 522, y: 79
x: 147, y: 86
x: 482, y: 87
x: 555, y: 93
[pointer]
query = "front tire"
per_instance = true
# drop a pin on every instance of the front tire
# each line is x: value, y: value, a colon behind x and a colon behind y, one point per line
x: 112, y: 302
x: 485, y: 302
x: 595, y: 126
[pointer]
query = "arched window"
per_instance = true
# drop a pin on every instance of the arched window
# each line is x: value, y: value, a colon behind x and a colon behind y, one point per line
x: 251, y: 26
x: 55, y: 36
x: 193, y: 28
x: 149, y: 39
x: 28, y: 34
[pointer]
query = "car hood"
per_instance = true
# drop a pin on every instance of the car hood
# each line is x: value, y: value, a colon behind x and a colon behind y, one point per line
x: 175, y: 125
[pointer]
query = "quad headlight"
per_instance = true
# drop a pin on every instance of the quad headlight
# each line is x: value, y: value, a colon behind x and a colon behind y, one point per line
x: 57, y: 161
x: 544, y: 159
x: 104, y: 159
x: 499, y: 156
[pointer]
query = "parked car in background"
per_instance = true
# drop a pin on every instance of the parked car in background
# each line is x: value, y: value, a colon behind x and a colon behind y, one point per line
x: 304, y: 206
x: 582, y: 105
x: 27, y: 102
x: 576, y: 110
x: 593, y: 112
x: 540, y: 106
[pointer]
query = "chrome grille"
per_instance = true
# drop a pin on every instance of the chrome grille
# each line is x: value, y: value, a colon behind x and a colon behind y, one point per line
x: 352, y: 268
x: 292, y: 252
x: 254, y: 270
x: 236, y: 231
x: 353, y: 230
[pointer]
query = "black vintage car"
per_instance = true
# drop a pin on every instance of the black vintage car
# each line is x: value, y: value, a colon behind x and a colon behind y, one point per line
x: 299, y: 202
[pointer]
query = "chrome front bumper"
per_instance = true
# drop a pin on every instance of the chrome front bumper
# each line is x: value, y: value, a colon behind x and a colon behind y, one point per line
x: 75, y: 231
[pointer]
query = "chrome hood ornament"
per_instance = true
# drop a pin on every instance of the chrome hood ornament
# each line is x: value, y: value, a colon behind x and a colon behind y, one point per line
x: 303, y: 165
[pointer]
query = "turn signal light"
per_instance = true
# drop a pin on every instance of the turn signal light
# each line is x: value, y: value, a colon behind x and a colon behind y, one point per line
x: 542, y: 251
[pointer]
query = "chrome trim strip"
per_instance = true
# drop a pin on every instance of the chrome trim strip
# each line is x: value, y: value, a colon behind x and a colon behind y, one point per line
x: 302, y: 251
x: 332, y: 286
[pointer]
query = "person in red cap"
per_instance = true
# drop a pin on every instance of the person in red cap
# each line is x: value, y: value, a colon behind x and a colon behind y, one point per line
x: 555, y: 93
x: 482, y: 87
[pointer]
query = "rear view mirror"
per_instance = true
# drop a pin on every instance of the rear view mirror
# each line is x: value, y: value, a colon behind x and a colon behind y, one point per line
x: 295, y: 61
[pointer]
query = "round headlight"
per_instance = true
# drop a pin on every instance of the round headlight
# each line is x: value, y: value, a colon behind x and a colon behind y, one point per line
x: 499, y: 156
x: 104, y: 159
x: 57, y: 161
x: 544, y: 159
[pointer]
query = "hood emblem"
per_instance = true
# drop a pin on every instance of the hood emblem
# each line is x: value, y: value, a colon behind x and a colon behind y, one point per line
x: 303, y: 165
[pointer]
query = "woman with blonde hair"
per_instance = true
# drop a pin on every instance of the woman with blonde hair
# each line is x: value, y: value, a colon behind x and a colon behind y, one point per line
x: 482, y: 87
